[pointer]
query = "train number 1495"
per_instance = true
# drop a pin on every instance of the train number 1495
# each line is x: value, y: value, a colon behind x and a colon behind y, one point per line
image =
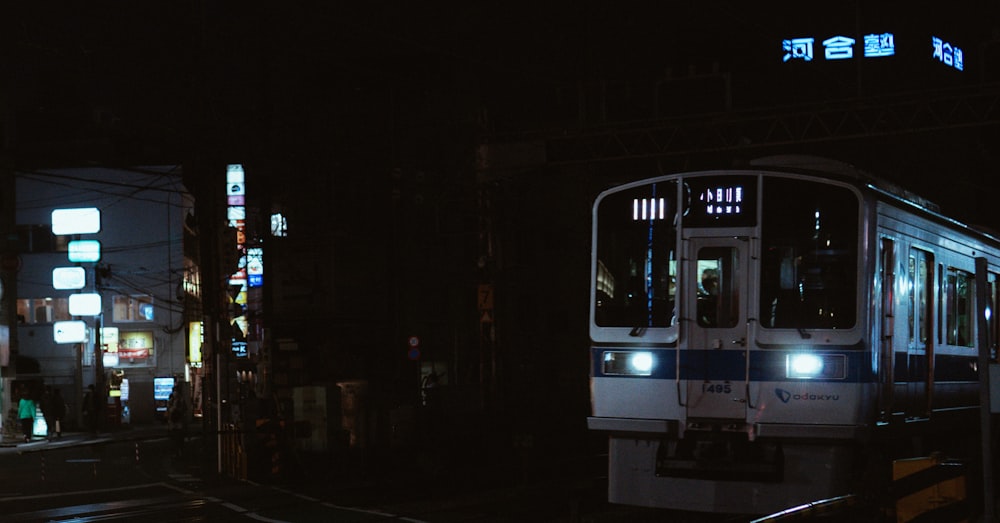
x: 716, y: 388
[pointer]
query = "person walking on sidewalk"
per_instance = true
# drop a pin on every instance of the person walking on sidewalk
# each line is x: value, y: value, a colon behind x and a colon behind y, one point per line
x: 26, y: 413
x: 175, y: 423
x: 54, y: 410
x: 89, y: 409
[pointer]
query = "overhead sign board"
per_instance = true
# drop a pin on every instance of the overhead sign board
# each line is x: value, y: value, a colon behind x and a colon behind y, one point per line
x: 86, y: 220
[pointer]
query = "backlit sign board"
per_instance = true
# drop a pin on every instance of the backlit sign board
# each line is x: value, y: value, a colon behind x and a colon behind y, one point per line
x: 74, y: 331
x: 109, y: 339
x: 196, y: 338
x: 162, y: 389
x: 84, y: 251
x: 135, y: 344
x: 76, y: 221
x: 807, y: 48
x: 255, y: 267
x: 84, y: 304
x: 69, y: 278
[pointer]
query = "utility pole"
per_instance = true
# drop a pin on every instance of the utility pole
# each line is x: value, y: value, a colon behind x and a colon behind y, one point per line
x: 985, y: 408
x: 100, y: 392
x: 205, y: 179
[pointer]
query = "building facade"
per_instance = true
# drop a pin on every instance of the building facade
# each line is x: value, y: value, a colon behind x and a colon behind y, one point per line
x: 134, y: 348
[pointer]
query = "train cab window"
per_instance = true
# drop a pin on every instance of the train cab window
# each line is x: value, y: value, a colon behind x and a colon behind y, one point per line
x: 718, y: 287
x: 958, y: 307
x: 809, y: 251
x: 636, y: 266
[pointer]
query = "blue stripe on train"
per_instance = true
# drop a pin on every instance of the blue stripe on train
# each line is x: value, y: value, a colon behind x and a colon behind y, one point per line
x: 769, y: 365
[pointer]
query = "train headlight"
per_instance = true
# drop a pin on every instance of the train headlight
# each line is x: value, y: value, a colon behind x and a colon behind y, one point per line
x: 631, y: 363
x: 807, y: 365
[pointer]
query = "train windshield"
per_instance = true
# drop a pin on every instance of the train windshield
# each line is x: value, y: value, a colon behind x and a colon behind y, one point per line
x: 809, y: 251
x: 808, y: 266
x: 636, y: 258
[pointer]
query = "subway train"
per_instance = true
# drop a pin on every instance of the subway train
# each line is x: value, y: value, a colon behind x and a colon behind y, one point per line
x: 772, y: 335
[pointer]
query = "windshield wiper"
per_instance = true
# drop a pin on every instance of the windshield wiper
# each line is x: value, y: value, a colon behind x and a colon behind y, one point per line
x: 637, y: 331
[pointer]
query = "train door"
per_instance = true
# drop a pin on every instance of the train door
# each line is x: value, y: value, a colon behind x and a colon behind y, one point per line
x: 886, y: 349
x: 920, y: 348
x: 716, y: 284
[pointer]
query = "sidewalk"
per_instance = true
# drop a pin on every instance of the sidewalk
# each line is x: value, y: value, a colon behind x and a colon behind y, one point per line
x: 16, y: 443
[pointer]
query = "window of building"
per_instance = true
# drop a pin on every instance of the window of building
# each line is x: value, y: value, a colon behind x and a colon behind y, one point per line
x: 42, y: 310
x: 39, y: 238
x: 279, y: 225
x: 132, y: 308
x: 191, y: 282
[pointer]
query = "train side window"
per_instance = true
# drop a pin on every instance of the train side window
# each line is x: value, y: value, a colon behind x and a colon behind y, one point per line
x: 911, y: 297
x: 925, y: 309
x: 958, y: 307
x: 993, y: 293
x: 920, y: 281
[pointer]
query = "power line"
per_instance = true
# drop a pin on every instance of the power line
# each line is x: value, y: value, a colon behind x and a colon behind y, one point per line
x: 169, y: 187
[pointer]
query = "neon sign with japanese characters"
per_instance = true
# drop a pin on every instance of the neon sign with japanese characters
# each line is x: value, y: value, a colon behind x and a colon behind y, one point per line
x: 874, y: 45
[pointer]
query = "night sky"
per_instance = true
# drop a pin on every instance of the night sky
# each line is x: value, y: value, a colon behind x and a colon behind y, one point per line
x: 161, y: 81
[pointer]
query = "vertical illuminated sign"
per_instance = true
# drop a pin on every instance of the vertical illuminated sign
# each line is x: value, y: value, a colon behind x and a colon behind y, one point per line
x: 947, y: 53
x: 196, y: 338
x: 255, y: 267
x: 236, y: 215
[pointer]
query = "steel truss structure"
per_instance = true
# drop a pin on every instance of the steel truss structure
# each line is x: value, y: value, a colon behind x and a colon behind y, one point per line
x: 847, y: 119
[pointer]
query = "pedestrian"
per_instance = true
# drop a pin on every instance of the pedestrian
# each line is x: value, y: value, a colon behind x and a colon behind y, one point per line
x: 175, y: 423
x: 46, y: 405
x: 26, y: 413
x: 90, y: 409
x: 54, y: 410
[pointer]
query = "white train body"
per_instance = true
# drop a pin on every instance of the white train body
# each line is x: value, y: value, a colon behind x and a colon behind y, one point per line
x: 753, y: 331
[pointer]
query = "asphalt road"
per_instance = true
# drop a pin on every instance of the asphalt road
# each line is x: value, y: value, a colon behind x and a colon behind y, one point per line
x: 134, y: 475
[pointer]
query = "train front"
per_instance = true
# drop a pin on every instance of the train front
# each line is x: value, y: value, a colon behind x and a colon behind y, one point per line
x: 728, y: 360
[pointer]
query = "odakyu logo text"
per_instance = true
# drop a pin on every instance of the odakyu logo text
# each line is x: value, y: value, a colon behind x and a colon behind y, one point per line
x: 786, y: 396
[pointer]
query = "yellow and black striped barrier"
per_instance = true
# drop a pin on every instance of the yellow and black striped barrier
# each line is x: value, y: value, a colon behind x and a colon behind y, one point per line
x: 923, y: 490
x: 929, y: 489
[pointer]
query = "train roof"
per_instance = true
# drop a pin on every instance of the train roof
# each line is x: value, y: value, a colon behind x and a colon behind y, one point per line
x: 828, y: 167
x: 820, y: 165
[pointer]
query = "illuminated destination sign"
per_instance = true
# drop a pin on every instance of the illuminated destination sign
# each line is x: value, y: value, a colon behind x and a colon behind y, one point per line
x: 873, y: 45
x: 721, y: 201
x: 644, y: 209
